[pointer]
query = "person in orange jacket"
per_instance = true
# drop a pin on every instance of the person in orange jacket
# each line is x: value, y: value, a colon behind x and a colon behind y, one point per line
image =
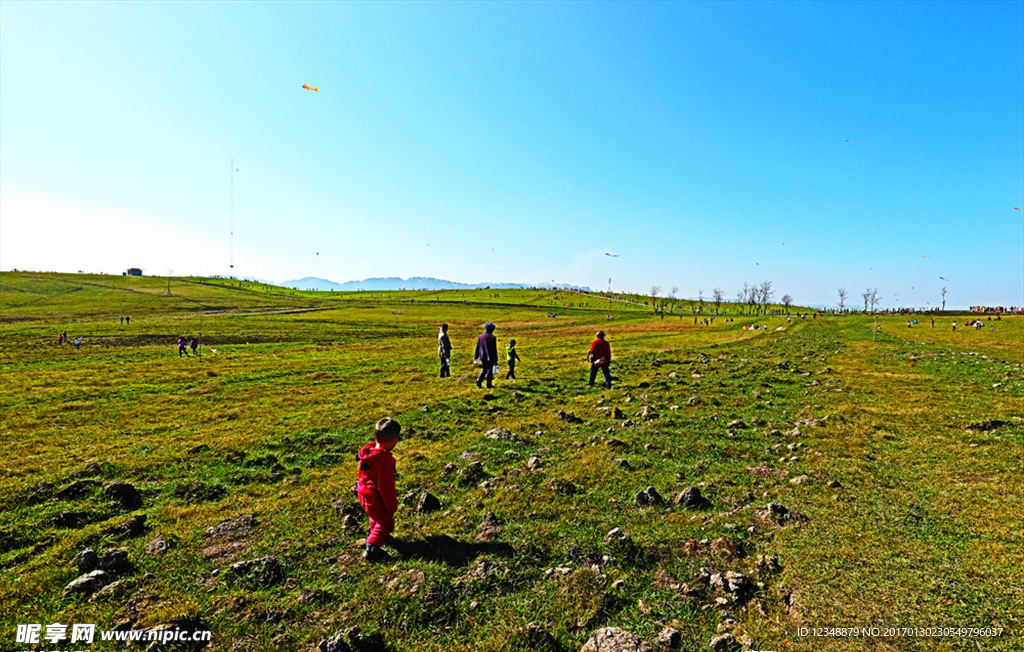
x: 376, y: 486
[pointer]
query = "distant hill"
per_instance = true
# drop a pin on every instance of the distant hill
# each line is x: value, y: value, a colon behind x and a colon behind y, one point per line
x: 413, y: 283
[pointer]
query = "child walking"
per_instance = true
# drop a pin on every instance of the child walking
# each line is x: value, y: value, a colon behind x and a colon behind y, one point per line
x: 511, y: 356
x: 376, y: 487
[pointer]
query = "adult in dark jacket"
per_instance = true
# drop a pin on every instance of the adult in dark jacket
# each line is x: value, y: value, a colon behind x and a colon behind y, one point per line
x: 600, y: 356
x: 487, y: 354
x: 444, y: 350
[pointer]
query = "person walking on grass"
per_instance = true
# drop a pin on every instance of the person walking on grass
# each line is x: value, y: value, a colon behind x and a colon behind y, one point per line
x: 444, y: 350
x: 487, y: 355
x: 182, y: 347
x: 600, y: 357
x: 376, y: 487
x: 510, y: 357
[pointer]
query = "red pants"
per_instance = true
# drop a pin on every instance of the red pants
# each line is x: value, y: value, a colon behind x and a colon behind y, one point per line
x: 382, y: 522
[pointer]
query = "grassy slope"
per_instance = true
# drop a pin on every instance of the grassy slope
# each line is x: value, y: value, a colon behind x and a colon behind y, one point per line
x: 925, y: 529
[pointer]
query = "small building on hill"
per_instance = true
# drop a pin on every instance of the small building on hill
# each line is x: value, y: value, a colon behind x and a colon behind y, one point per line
x: 133, y: 271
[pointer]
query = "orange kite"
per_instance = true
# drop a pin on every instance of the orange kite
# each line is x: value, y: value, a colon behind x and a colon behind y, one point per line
x: 310, y: 88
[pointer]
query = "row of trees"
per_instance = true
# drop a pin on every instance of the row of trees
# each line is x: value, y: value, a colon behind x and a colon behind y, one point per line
x: 756, y: 297
x: 872, y: 297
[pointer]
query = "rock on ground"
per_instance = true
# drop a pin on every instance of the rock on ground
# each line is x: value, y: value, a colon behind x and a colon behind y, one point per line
x: 613, y: 639
x: 352, y: 640
x: 124, y: 493
x: 648, y: 497
x: 86, y: 584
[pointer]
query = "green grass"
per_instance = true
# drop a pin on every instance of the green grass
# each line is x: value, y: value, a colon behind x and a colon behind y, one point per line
x: 924, y: 530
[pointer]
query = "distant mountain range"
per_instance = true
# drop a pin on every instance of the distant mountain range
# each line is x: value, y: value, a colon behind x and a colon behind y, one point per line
x: 413, y: 283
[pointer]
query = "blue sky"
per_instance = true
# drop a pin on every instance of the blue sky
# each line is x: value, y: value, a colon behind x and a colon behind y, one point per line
x: 520, y: 142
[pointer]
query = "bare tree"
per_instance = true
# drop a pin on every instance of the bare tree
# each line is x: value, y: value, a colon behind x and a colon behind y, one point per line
x: 672, y: 298
x: 717, y: 294
x: 700, y: 296
x: 787, y: 301
x: 655, y: 291
x: 765, y: 293
x: 867, y: 298
x: 944, y: 289
x: 741, y: 296
x: 843, y: 294
x: 875, y: 297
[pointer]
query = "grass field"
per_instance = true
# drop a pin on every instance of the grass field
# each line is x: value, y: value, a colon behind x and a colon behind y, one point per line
x: 898, y: 462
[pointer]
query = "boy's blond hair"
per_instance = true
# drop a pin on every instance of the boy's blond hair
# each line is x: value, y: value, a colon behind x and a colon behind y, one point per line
x: 386, y: 429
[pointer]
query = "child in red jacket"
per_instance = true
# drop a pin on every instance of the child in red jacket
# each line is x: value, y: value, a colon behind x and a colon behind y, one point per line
x: 376, y: 486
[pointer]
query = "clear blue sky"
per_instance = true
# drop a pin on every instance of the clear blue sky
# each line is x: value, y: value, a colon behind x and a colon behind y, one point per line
x: 520, y: 142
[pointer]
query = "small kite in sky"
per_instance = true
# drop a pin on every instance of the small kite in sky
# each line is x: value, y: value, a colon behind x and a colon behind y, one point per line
x: 924, y: 256
x: 612, y: 255
x: 1016, y: 208
x: 310, y: 88
x: 944, y: 278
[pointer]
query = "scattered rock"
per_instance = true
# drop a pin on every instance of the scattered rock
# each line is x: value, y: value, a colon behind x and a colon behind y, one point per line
x: 648, y: 498
x: 647, y: 413
x: 534, y: 463
x: 693, y: 400
x: 313, y: 596
x: 352, y: 640
x: 780, y: 514
x: 233, y: 527
x: 768, y: 565
x: 71, y: 520
x: 87, y: 560
x: 473, y: 474
x: 159, y: 545
x: 39, y: 493
x: 76, y: 489
x: 198, y: 492
x: 428, y: 503
x: 810, y: 423
x: 86, y: 584
x: 737, y: 425
x: 724, y: 643
x: 564, y: 487
x: 800, y: 479
x: 112, y: 590
x: 131, y: 527
x: 498, y: 433
x: 736, y: 584
x: 986, y: 426
x: 115, y: 561
x: 536, y: 637
x: 124, y: 493
x: 489, y: 528
x: 669, y: 637
x: 229, y: 536
x: 265, y: 571
x: 568, y: 417
x: 617, y: 414
x: 349, y: 522
x: 613, y: 639
x: 690, y: 498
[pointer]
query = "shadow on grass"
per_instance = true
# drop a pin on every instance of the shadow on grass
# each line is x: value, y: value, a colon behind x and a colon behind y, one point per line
x: 443, y: 548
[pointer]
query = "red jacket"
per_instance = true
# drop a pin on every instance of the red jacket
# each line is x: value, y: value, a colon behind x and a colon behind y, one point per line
x: 377, y: 475
x: 599, y: 348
